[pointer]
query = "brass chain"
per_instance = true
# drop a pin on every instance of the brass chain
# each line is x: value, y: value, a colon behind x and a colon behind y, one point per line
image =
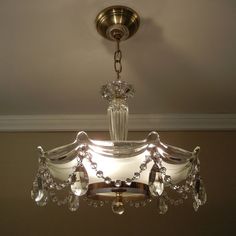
x: 117, y: 59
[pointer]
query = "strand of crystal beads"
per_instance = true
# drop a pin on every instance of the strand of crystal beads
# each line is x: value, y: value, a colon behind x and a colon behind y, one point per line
x: 47, y: 182
x: 181, y: 189
x: 44, y: 181
x: 172, y: 200
x: 192, y: 184
x: 189, y: 183
x: 55, y: 199
x: 44, y: 172
x: 117, y: 183
x: 138, y: 204
x: 95, y: 203
x: 158, y: 161
x: 50, y: 182
x: 41, y: 195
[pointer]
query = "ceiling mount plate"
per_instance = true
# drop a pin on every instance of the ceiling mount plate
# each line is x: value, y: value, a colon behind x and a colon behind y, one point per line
x: 117, y: 22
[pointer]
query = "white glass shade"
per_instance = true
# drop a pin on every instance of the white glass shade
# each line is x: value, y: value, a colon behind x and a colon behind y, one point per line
x: 121, y: 171
x: 119, y: 160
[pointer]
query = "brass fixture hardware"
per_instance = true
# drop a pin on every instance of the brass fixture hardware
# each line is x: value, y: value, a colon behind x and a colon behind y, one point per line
x: 102, y: 191
x: 117, y: 22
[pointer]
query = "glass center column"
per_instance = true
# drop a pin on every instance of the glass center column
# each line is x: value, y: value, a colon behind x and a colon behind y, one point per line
x: 117, y: 92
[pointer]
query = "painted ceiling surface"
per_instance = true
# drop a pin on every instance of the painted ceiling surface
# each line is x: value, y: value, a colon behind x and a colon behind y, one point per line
x: 182, y: 60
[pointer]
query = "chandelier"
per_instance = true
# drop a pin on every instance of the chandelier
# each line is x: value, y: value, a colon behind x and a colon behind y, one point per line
x: 118, y: 172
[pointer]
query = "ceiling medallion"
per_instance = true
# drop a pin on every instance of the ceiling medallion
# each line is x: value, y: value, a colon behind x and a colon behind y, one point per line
x: 118, y: 171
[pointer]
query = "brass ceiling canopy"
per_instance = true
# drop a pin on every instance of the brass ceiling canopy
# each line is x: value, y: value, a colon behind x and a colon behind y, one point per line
x: 117, y: 22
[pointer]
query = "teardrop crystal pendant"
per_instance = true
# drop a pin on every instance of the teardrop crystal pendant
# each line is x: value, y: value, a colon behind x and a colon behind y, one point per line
x: 163, y: 207
x: 38, y: 193
x: 80, y: 186
x: 37, y: 190
x: 157, y: 188
x: 44, y: 199
x: 195, y: 206
x: 200, y: 195
x: 156, y: 184
x: 73, y: 202
x: 117, y: 207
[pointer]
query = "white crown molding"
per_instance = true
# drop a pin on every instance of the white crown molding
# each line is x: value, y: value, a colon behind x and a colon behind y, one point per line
x: 138, y: 122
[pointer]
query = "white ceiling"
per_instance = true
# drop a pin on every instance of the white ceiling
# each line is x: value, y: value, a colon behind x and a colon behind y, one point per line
x: 182, y: 60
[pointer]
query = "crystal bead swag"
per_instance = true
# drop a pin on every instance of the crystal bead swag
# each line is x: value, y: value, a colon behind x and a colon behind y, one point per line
x: 172, y: 174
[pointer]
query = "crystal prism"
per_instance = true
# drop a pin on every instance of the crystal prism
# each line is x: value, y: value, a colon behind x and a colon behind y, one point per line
x: 73, y: 203
x: 200, y: 195
x: 117, y: 207
x: 80, y: 186
x: 44, y: 199
x: 37, y: 190
x: 36, y: 194
x: 156, y: 184
x: 163, y: 207
x: 157, y: 188
x: 195, y: 205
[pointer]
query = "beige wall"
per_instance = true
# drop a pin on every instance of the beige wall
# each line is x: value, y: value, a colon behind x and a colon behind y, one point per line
x: 19, y: 216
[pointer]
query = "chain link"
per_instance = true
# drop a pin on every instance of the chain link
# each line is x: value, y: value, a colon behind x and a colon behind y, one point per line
x: 117, y: 60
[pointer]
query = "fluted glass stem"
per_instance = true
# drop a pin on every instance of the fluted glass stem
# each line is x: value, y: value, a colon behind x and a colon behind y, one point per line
x: 118, y: 119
